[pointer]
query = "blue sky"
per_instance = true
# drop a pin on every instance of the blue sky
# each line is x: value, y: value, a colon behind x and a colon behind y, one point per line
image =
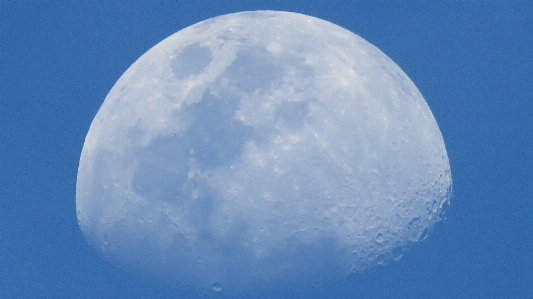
x: 472, y: 62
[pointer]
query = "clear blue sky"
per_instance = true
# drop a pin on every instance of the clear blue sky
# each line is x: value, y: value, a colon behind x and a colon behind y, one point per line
x: 473, y: 63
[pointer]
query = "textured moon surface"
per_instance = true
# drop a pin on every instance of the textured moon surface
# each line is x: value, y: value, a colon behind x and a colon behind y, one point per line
x: 259, y: 149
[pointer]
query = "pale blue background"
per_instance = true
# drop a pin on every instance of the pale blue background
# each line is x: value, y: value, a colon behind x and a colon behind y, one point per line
x: 472, y: 61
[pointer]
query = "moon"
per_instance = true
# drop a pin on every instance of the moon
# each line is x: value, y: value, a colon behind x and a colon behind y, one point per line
x: 260, y: 149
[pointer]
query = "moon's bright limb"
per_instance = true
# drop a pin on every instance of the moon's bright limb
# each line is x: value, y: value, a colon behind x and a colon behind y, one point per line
x: 261, y: 147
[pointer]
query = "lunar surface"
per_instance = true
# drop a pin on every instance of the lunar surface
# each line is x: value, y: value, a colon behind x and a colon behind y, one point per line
x: 259, y: 149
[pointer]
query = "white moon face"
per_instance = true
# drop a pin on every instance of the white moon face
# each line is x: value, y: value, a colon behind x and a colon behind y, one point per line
x: 261, y: 148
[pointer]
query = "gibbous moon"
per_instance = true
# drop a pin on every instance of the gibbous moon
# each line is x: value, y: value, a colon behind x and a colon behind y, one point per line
x: 260, y: 149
